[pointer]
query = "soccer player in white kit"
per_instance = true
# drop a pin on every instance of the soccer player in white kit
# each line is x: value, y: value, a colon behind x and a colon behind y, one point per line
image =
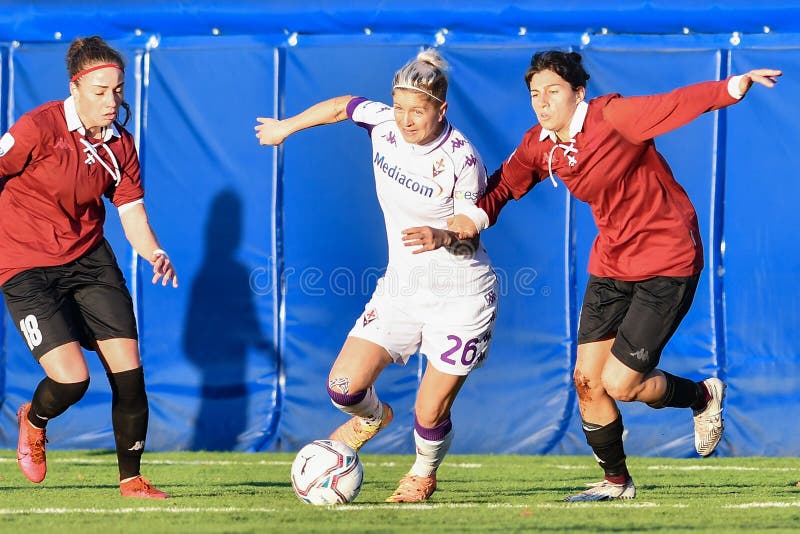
x: 439, y: 295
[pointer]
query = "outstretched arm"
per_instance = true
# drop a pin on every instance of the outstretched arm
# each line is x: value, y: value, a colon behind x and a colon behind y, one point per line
x: 641, y: 118
x: 275, y: 131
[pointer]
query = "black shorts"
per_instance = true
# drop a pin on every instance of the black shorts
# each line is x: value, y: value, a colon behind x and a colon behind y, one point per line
x: 84, y: 300
x: 642, y: 316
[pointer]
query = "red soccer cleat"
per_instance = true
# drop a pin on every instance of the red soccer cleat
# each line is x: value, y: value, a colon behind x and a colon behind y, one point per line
x: 30, y: 447
x: 142, y: 488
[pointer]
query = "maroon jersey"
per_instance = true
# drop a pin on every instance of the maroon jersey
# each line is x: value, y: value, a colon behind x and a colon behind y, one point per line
x: 52, y: 184
x: 647, y: 225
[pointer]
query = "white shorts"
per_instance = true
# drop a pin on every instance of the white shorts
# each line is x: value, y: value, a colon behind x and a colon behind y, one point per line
x: 453, y: 333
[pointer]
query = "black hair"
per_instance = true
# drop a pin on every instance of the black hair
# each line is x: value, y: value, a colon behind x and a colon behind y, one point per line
x: 568, y: 65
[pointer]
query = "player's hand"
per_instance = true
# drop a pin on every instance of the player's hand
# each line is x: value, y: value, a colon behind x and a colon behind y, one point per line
x: 426, y: 238
x: 766, y: 77
x: 163, y: 269
x: 270, y: 131
x: 462, y: 226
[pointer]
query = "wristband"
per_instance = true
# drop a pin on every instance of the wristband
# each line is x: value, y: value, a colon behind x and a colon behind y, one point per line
x: 160, y: 252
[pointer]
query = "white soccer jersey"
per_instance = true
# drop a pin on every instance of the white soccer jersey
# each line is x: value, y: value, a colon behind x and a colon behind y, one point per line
x: 424, y: 185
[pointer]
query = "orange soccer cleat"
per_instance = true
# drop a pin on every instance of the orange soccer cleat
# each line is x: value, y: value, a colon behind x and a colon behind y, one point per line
x: 414, y: 488
x: 356, y: 431
x: 31, y: 447
x: 142, y: 488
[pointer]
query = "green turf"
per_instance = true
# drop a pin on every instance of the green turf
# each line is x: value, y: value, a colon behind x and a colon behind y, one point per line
x: 233, y: 492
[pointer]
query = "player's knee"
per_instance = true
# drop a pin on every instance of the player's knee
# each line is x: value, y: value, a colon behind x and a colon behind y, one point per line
x: 339, y: 383
x: 52, y: 398
x: 72, y: 393
x: 128, y: 390
x: 619, y: 389
x: 584, y: 384
x: 341, y: 394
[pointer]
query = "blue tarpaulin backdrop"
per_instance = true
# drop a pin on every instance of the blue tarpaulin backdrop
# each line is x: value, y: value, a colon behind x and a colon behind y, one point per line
x: 278, y: 249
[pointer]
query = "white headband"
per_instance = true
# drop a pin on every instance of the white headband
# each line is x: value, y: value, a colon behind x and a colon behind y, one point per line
x: 405, y: 86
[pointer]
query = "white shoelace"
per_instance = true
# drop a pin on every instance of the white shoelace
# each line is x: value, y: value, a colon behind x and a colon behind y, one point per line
x: 92, y: 156
x: 568, y: 150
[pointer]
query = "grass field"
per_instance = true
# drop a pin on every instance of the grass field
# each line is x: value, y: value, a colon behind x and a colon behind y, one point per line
x: 233, y: 492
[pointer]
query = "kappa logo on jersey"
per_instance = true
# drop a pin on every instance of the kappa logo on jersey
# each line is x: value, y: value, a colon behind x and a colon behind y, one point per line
x: 390, y: 138
x: 62, y: 144
x: 438, y: 167
x: 457, y: 143
x: 470, y: 161
x: 396, y: 173
x: 370, y: 316
x: 491, y: 298
x: 6, y: 142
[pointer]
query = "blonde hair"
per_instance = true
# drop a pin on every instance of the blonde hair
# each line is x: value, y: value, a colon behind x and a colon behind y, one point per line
x: 426, y: 74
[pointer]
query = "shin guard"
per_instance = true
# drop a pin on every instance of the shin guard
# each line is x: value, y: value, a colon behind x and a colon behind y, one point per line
x: 606, y: 442
x: 129, y: 415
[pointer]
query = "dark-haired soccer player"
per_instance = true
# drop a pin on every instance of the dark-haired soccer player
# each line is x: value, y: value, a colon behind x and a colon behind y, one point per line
x: 646, y: 260
x: 59, y: 276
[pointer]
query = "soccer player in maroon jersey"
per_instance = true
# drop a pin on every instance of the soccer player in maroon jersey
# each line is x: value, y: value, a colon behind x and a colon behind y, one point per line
x: 60, y: 278
x: 646, y: 260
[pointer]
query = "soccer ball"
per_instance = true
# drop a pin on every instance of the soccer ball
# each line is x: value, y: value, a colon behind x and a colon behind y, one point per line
x: 327, y: 472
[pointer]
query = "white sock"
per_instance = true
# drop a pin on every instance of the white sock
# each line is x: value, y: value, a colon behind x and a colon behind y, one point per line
x: 430, y: 454
x: 370, y: 408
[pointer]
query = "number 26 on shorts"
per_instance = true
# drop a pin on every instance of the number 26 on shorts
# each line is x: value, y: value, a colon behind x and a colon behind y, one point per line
x: 466, y: 352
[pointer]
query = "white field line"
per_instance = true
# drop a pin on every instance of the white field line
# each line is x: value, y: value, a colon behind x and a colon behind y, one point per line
x: 461, y: 465
x: 370, y: 507
x: 687, y: 468
x: 118, y: 511
x: 764, y: 505
x: 719, y: 468
x: 113, y: 461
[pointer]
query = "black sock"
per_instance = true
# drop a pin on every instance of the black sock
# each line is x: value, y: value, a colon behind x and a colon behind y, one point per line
x: 606, y: 442
x: 703, y: 396
x: 129, y: 415
x: 682, y: 393
x: 52, y: 398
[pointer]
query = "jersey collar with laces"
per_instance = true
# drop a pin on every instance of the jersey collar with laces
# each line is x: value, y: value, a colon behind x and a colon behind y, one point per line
x: 90, y: 148
x: 575, y: 127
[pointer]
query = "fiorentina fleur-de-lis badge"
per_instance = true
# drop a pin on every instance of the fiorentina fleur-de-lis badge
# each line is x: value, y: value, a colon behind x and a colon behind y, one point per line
x: 438, y: 167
